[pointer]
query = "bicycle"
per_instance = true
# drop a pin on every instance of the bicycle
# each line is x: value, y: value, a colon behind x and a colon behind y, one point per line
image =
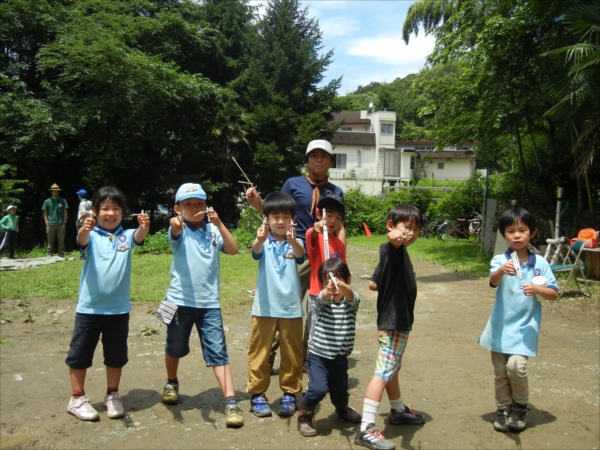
x: 453, y: 230
x: 429, y: 228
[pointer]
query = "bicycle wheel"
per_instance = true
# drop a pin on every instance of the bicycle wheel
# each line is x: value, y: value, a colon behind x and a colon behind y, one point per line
x: 445, y: 233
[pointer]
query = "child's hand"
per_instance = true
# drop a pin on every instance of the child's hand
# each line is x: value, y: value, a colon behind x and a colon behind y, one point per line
x: 144, y: 220
x: 329, y: 290
x: 213, y: 217
x: 89, y: 223
x: 177, y: 224
x: 262, y: 233
x: 290, y: 234
x: 318, y: 226
x: 396, y: 237
x: 508, y: 268
x: 530, y: 289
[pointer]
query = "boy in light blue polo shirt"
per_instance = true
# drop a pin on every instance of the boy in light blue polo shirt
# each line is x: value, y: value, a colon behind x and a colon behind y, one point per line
x: 193, y: 295
x: 512, y: 331
x: 277, y: 306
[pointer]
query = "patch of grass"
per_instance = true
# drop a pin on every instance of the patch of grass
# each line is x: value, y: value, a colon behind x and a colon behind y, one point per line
x: 6, y: 342
x: 460, y: 256
x: 149, y: 331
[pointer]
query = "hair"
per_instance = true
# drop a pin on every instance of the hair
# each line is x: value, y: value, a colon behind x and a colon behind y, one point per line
x: 405, y: 213
x: 335, y: 265
x: 109, y: 193
x: 279, y: 202
x: 514, y: 214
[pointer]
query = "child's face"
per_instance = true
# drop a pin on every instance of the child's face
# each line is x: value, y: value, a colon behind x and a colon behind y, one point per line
x: 409, y: 229
x: 279, y: 223
x: 12, y: 211
x: 518, y: 235
x: 334, y: 220
x: 109, y: 215
x: 190, y: 207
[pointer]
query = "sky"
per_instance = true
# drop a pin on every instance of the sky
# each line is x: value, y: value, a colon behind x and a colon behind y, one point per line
x: 366, y: 37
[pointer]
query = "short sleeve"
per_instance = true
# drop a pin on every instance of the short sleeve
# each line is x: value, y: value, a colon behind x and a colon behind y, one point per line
x: 496, y: 263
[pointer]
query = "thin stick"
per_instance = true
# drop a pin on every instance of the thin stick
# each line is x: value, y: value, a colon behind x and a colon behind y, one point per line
x: 204, y: 212
x: 325, y: 234
x: 246, y: 177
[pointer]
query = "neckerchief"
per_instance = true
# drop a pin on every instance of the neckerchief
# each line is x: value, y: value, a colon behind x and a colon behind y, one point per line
x: 316, y: 193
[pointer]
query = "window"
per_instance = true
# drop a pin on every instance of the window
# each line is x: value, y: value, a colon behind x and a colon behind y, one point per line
x: 345, y: 128
x: 412, y: 163
x: 339, y: 161
x: 391, y: 164
x: 387, y: 129
x: 440, y: 166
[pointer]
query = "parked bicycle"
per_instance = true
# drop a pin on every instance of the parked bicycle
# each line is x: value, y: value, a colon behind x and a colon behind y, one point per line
x: 429, y: 228
x: 453, y: 230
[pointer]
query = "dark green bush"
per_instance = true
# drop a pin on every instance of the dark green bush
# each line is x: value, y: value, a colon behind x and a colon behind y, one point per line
x: 156, y: 243
x: 245, y: 233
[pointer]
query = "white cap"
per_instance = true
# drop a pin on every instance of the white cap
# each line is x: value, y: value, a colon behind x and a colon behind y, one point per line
x: 319, y: 143
x: 9, y: 207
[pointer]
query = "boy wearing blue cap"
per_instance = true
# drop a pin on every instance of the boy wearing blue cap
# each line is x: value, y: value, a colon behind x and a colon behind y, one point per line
x: 193, y: 295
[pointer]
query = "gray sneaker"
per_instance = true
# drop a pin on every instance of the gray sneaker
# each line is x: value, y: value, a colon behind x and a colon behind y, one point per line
x: 373, y: 439
x: 406, y: 417
x: 516, y: 417
x: 501, y: 422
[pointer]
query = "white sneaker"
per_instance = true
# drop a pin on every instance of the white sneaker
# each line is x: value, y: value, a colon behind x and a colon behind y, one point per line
x: 81, y: 408
x: 113, y: 405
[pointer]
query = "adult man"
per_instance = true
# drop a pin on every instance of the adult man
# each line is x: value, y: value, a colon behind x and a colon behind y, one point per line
x: 307, y: 190
x: 55, y: 216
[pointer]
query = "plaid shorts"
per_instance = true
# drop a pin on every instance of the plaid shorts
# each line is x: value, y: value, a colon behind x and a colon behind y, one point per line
x: 391, y: 349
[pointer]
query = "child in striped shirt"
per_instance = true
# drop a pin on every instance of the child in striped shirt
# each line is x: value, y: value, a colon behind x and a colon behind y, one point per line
x: 330, y: 343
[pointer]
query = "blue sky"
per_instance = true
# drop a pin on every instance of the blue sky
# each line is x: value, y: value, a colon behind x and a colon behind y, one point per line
x: 366, y: 36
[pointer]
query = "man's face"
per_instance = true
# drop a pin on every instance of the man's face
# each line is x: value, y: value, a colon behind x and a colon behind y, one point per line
x: 54, y: 193
x: 319, y: 162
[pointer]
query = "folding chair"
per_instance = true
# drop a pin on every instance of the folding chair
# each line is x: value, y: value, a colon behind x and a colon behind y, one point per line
x: 577, y: 247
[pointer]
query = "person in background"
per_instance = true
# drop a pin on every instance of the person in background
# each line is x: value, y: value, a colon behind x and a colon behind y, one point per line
x: 55, y: 216
x: 85, y: 207
x: 10, y: 225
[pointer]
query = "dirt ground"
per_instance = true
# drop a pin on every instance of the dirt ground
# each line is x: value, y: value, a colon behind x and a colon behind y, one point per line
x: 445, y: 374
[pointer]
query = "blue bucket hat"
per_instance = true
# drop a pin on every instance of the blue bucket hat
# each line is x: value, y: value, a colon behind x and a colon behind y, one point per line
x: 189, y: 190
x: 82, y: 192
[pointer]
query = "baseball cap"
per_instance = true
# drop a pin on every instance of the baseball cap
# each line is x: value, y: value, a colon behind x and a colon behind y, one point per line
x: 331, y: 201
x: 82, y: 192
x: 9, y: 207
x: 319, y: 143
x: 189, y: 190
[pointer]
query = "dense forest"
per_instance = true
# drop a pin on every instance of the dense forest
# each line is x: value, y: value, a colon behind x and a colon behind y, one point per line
x: 147, y: 94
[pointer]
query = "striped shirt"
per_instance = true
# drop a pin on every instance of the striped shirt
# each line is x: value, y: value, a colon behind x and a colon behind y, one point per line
x: 333, y: 331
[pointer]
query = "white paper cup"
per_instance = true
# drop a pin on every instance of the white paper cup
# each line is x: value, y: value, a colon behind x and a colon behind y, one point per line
x: 539, y: 281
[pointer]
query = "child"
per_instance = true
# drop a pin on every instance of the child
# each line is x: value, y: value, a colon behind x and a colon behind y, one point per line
x: 331, y: 342
x: 10, y: 224
x: 193, y: 295
x: 315, y: 246
x: 104, y: 301
x: 394, y: 279
x: 84, y: 209
x: 277, y: 306
x: 513, y: 328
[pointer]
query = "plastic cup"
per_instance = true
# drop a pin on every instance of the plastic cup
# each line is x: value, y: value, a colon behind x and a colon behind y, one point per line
x: 539, y: 281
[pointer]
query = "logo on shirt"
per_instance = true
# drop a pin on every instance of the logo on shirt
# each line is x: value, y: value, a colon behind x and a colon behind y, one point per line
x: 122, y: 238
x: 122, y: 248
x: 537, y: 272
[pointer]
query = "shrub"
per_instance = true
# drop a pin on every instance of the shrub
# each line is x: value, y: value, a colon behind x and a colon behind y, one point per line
x: 245, y: 233
x: 156, y: 243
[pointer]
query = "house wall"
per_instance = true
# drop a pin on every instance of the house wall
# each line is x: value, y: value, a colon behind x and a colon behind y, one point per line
x: 455, y: 169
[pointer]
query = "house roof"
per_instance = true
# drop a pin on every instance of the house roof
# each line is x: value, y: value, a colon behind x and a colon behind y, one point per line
x: 350, y: 117
x: 428, y: 144
x: 354, y: 138
x: 446, y: 154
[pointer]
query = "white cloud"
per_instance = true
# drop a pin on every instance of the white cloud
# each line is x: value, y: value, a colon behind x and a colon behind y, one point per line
x: 338, y: 26
x: 391, y: 50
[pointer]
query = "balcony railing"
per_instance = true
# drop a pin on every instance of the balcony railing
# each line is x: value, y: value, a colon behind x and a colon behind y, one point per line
x: 356, y: 174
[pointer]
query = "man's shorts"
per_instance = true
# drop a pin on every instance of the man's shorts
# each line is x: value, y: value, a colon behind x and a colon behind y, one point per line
x: 391, y: 349
x: 86, y: 334
x: 209, y: 324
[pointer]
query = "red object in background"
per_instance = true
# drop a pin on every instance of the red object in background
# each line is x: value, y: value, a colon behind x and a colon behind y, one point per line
x: 367, y: 232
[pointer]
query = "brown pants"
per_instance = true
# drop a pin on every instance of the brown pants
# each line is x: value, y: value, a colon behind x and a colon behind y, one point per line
x: 290, y: 340
x: 510, y: 379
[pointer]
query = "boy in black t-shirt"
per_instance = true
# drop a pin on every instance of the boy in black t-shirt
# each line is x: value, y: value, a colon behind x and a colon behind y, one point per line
x: 394, y: 279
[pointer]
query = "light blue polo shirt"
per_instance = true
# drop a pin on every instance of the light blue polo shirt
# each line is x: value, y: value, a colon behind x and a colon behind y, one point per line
x: 514, y: 326
x: 104, y: 287
x: 278, y: 292
x: 195, y: 270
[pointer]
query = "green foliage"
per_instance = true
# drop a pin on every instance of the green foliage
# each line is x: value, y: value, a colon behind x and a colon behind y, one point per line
x: 457, y: 204
x: 245, y: 232
x: 156, y: 243
x: 9, y: 192
x: 362, y: 208
x: 149, y: 331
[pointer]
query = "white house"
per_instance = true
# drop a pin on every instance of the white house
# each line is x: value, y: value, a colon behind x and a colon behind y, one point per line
x: 366, y: 153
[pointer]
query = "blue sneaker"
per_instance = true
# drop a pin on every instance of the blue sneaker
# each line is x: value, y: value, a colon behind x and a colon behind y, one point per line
x: 259, y: 405
x: 288, y: 405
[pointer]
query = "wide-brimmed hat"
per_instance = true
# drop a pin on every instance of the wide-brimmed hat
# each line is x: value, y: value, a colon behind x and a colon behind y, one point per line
x: 190, y: 190
x: 319, y: 143
x: 54, y: 187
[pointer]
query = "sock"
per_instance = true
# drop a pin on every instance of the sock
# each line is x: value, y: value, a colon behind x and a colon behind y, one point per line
x: 110, y: 390
x: 369, y: 415
x: 397, y: 404
x: 175, y: 381
x: 77, y: 394
x: 230, y: 401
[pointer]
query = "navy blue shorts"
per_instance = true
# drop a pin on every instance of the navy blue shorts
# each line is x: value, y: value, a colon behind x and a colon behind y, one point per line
x: 209, y: 324
x: 114, y: 329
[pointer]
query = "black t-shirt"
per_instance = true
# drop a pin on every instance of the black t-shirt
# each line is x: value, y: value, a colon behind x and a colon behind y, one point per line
x: 396, y: 289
